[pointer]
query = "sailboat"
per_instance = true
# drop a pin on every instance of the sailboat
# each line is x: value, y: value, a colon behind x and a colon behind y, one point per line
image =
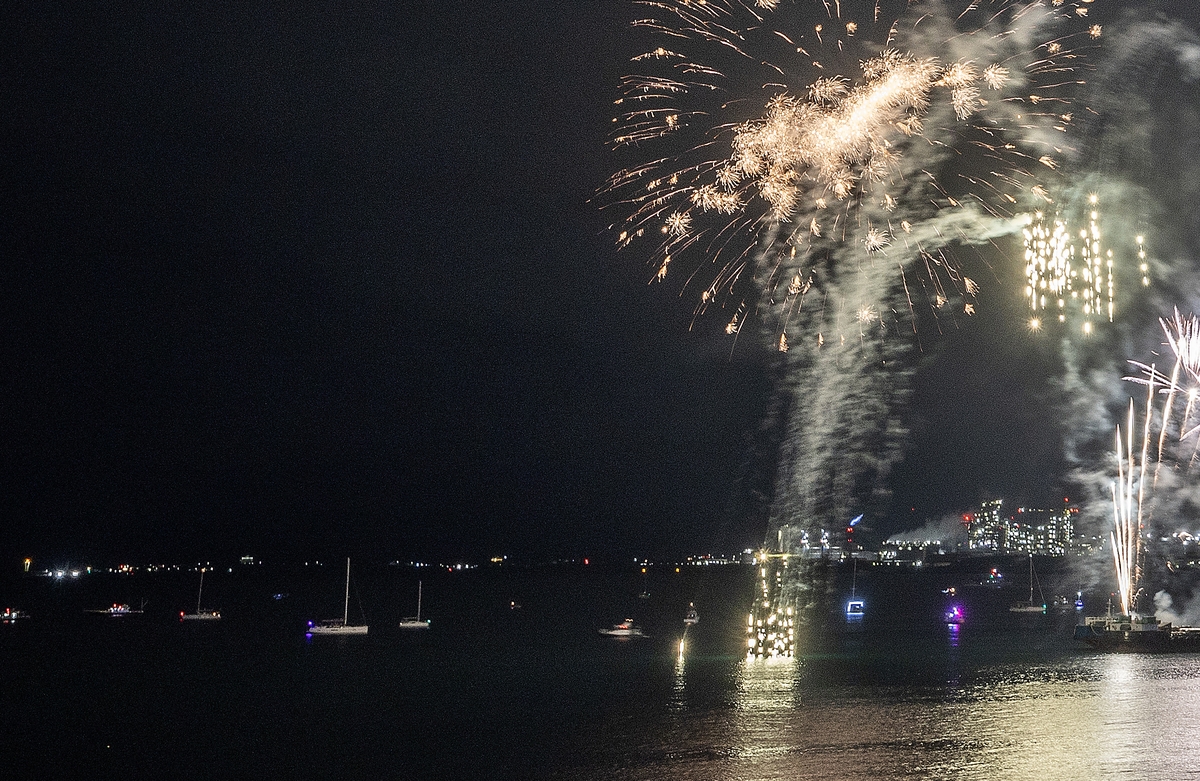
x: 855, y: 608
x: 416, y: 623
x: 201, y: 615
x: 334, y: 626
x: 1031, y: 606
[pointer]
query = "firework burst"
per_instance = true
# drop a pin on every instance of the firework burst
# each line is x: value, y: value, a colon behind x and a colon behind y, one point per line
x: 1182, y: 384
x: 1128, y: 493
x: 790, y: 139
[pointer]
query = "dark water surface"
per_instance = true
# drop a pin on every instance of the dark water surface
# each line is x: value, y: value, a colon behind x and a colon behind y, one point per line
x: 535, y: 692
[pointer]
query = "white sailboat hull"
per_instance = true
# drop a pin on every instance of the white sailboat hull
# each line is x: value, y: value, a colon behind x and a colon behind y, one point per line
x: 416, y: 623
x: 413, y: 623
x: 337, y: 629
x: 203, y: 615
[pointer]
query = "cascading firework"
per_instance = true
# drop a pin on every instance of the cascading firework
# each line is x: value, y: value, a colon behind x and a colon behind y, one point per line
x: 1074, y: 271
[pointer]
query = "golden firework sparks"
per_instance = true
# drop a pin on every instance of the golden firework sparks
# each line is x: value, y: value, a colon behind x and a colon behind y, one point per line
x: 844, y: 126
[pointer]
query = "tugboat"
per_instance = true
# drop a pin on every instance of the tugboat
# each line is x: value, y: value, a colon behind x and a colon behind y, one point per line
x: 1136, y: 633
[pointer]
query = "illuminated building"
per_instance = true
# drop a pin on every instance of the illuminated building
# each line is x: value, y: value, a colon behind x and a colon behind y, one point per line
x: 1028, y: 530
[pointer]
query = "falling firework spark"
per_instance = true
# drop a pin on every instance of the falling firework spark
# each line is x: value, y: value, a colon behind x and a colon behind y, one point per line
x: 1074, y: 272
x: 793, y: 140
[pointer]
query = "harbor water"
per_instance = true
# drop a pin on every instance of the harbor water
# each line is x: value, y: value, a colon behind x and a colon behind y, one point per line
x: 513, y: 680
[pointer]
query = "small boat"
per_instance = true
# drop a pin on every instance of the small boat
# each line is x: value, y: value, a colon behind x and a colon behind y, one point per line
x: 993, y: 579
x: 10, y: 615
x: 955, y: 615
x: 1030, y: 606
x: 335, y: 627
x: 692, y: 617
x: 117, y: 610
x: 1061, y: 603
x: 623, y: 629
x: 200, y: 615
x: 856, y: 608
x: 416, y: 622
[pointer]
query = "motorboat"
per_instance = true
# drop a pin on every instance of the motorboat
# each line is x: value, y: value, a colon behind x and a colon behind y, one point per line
x: 623, y: 629
x: 691, y: 618
x: 116, y: 611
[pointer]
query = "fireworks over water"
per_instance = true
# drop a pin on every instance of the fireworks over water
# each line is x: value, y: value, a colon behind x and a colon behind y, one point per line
x: 783, y: 147
x: 816, y: 168
x: 1133, y: 492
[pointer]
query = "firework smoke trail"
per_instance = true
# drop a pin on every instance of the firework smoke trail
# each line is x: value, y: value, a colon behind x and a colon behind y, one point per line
x: 821, y: 160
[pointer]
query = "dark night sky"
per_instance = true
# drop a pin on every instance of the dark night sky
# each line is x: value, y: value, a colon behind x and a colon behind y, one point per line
x: 327, y: 278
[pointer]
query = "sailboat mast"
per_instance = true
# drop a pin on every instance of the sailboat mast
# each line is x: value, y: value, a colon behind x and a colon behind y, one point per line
x: 200, y: 593
x: 418, y: 600
x: 346, y: 604
x: 1031, y: 578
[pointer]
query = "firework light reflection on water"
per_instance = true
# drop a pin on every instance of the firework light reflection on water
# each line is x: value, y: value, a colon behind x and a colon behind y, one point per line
x: 1075, y: 718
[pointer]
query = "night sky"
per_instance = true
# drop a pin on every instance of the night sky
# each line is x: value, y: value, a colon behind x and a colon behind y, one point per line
x: 325, y: 279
